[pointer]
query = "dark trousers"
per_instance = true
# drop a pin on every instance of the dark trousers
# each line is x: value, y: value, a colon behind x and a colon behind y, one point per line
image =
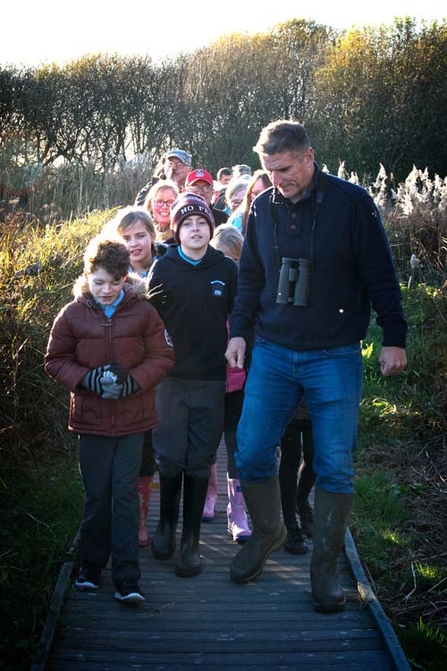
x: 297, y: 442
x: 109, y: 468
x: 190, y: 423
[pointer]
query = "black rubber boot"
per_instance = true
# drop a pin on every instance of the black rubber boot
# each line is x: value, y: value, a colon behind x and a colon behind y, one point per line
x: 263, y: 501
x: 295, y: 543
x: 306, y: 516
x: 331, y: 515
x: 288, y: 469
x: 306, y: 480
x: 288, y: 472
x: 194, y: 495
x: 163, y: 540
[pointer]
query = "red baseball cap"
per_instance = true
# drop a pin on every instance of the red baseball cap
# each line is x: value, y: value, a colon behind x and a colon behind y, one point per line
x: 199, y: 175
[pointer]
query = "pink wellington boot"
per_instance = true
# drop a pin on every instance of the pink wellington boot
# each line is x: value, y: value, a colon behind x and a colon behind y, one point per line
x: 144, y: 492
x: 211, y: 496
x: 237, y: 517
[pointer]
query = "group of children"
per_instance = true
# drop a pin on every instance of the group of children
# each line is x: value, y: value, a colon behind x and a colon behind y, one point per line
x: 141, y: 347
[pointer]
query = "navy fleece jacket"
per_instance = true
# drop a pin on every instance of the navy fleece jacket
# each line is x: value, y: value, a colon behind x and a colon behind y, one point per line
x: 194, y: 302
x: 338, y: 227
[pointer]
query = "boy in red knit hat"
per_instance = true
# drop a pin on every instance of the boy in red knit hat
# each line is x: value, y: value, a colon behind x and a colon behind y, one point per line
x: 193, y: 287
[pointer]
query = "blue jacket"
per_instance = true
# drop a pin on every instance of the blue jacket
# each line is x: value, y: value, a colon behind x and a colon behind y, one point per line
x: 336, y: 225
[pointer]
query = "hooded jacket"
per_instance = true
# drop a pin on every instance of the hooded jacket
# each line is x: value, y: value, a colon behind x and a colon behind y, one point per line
x: 336, y: 226
x: 194, y: 302
x: 83, y: 338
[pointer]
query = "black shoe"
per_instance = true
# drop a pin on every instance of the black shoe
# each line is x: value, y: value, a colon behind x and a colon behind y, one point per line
x: 129, y: 593
x: 305, y: 512
x: 88, y: 579
x: 295, y: 543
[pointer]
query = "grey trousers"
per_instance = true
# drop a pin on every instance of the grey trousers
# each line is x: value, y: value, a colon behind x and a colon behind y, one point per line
x: 109, y: 468
x: 190, y: 424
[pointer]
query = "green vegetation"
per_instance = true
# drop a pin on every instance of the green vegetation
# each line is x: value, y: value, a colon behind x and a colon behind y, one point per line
x: 40, y: 488
x: 399, y: 517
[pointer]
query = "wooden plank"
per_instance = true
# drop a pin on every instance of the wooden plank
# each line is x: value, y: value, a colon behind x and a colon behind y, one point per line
x: 211, y: 622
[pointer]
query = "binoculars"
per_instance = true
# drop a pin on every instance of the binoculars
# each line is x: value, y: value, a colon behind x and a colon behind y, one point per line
x: 293, y: 287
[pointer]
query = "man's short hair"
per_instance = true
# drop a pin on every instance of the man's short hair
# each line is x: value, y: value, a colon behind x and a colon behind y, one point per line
x: 223, y: 172
x: 241, y: 169
x: 280, y: 136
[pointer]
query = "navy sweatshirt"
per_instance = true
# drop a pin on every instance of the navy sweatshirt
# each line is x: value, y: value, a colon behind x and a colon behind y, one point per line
x: 336, y: 225
x: 194, y: 302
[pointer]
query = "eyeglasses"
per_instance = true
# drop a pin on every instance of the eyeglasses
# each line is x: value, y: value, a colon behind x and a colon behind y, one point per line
x: 200, y: 189
x: 177, y: 162
x: 160, y: 203
x: 235, y: 203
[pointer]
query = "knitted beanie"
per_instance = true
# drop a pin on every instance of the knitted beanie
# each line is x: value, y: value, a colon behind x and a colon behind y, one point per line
x: 186, y: 205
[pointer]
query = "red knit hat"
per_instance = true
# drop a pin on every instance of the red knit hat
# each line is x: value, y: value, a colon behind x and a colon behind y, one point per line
x: 185, y: 206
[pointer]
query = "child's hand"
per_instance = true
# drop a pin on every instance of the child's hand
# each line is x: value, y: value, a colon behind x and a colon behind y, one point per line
x: 123, y: 378
x: 110, y: 388
x: 118, y: 371
x: 92, y: 380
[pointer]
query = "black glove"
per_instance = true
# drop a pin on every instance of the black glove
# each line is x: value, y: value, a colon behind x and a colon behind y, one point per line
x: 103, y: 382
x: 122, y: 378
x: 118, y: 371
x: 130, y: 386
x: 91, y: 380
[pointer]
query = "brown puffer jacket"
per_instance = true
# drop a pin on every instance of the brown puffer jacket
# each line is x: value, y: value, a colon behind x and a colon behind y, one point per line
x: 82, y: 338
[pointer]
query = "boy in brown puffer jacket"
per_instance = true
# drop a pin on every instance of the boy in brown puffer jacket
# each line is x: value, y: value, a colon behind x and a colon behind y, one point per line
x: 109, y: 348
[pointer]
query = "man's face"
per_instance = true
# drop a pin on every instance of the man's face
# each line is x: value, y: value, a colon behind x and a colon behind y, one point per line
x: 176, y: 170
x: 202, y: 188
x: 289, y: 172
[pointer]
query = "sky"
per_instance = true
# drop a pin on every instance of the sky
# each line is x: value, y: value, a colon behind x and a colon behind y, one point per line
x: 36, y: 32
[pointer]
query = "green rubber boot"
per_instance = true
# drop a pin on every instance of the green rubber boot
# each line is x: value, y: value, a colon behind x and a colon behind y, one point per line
x: 331, y: 515
x: 263, y: 501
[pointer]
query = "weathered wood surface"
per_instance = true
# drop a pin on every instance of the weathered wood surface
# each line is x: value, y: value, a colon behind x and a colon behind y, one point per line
x: 211, y: 623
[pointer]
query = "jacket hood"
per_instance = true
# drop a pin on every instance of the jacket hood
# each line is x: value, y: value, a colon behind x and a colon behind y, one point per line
x: 133, y: 284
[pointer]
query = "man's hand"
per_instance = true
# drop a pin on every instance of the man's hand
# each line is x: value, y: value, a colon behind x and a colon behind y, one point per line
x: 393, y: 360
x: 235, y: 353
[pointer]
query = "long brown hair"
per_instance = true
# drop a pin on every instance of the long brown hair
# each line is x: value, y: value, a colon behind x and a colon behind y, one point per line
x: 245, y: 207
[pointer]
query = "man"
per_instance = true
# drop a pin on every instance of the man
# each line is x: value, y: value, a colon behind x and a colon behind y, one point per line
x: 201, y: 183
x: 240, y: 170
x: 175, y: 166
x: 223, y: 178
x: 315, y: 260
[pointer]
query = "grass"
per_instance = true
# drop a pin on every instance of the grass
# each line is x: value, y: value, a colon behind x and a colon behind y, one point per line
x: 41, y: 511
x: 399, y: 515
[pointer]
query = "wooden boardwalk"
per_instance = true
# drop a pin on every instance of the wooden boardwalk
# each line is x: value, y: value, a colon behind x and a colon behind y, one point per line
x: 209, y: 622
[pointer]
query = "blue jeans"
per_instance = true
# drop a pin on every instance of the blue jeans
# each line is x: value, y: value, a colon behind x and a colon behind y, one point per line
x: 331, y: 380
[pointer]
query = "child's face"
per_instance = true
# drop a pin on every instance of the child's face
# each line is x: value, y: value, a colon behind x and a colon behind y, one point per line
x: 194, y: 236
x: 103, y: 286
x: 138, y: 241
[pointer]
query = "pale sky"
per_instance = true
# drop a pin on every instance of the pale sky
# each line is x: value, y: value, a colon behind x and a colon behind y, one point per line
x: 36, y: 32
